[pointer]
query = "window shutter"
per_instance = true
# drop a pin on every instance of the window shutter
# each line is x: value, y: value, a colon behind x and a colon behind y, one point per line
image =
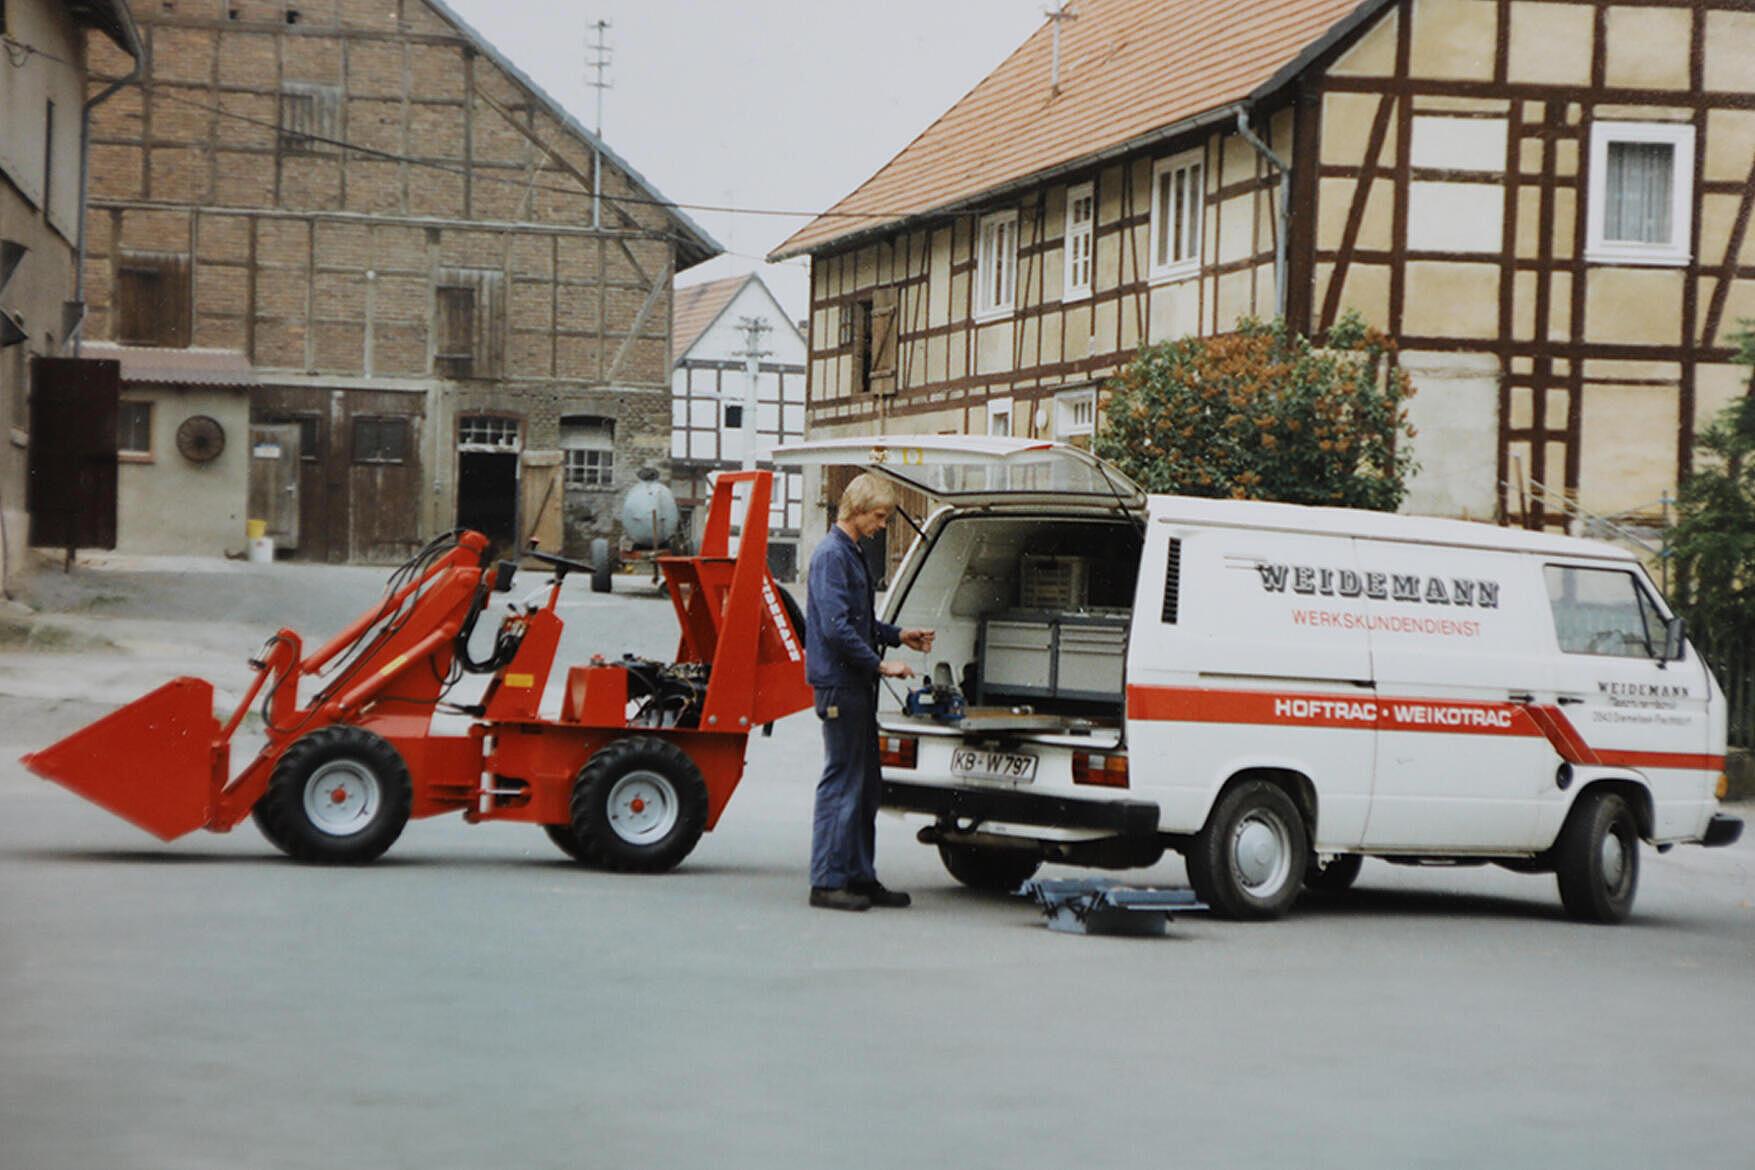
x: 883, y: 341
x: 152, y: 299
x: 309, y: 114
x: 468, y: 326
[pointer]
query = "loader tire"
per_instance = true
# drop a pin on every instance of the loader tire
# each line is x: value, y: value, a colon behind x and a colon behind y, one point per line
x: 639, y: 806
x: 566, y: 841
x: 339, y: 796
x: 994, y: 871
x: 266, y: 826
x: 602, y: 568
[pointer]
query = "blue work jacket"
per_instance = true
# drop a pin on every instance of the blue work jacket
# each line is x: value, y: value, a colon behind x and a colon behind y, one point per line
x: 842, y: 633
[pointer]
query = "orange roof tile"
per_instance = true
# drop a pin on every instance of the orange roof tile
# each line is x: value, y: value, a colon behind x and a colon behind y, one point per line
x: 697, y: 307
x: 1128, y: 68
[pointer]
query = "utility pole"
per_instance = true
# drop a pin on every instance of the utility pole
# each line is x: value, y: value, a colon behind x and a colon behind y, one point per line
x: 752, y: 355
x: 599, y: 63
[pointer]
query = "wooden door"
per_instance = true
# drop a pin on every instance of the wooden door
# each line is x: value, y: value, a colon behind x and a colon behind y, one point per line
x: 540, y: 499
x: 275, y: 458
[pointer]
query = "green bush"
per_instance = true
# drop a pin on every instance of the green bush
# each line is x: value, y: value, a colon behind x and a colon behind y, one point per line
x: 1262, y: 414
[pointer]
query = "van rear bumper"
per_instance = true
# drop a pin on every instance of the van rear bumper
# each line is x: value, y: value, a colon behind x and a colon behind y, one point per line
x: 1722, y: 830
x: 1127, y: 818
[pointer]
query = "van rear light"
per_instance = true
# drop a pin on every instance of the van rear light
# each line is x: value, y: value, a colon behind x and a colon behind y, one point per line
x: 898, y: 751
x: 1104, y: 771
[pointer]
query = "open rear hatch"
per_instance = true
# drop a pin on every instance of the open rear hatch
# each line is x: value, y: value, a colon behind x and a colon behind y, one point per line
x: 974, y: 470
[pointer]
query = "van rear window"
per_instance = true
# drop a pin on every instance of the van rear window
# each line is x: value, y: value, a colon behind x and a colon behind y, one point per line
x: 1603, y: 612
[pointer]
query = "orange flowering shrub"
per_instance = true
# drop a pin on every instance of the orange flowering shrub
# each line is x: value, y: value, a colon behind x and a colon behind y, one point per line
x: 1261, y: 414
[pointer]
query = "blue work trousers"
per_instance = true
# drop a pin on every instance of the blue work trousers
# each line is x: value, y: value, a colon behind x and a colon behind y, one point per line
x: 844, y: 829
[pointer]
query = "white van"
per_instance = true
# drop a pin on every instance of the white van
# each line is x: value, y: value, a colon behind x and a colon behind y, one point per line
x: 1277, y: 691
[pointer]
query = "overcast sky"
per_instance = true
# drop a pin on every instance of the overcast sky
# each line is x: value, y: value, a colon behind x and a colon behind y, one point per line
x: 786, y: 104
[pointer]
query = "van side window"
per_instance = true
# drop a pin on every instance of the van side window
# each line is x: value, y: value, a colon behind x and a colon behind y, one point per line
x: 1603, y: 612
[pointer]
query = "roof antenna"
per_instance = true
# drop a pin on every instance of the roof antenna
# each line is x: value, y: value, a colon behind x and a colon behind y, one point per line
x: 600, y: 63
x: 1058, y: 15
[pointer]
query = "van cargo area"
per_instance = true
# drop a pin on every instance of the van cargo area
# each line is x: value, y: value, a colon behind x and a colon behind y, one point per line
x: 1032, y: 615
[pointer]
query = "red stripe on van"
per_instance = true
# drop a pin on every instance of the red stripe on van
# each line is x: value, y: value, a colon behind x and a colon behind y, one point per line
x: 1370, y: 712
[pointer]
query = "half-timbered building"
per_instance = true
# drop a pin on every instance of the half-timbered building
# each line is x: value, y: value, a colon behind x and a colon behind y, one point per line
x: 456, y: 298
x: 711, y: 396
x: 1547, y: 203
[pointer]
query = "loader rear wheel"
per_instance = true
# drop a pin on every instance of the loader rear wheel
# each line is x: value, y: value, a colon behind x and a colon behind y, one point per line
x: 339, y: 796
x: 639, y: 805
x: 996, y: 871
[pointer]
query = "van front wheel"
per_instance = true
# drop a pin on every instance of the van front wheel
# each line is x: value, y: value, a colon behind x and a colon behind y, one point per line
x: 1249, y: 861
x: 1597, y: 859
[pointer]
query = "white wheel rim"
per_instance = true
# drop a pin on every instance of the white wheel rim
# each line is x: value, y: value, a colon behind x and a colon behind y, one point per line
x: 1261, y: 854
x: 1614, y: 858
x: 341, y: 798
x: 642, y: 807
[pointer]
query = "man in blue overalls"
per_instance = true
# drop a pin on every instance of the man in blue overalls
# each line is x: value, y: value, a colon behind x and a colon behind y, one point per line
x: 842, y: 642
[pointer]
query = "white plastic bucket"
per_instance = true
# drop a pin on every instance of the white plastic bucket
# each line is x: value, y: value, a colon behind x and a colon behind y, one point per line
x: 262, y: 550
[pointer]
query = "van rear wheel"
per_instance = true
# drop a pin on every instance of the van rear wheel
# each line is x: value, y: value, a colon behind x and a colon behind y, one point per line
x: 996, y: 871
x: 1597, y: 859
x: 1249, y: 861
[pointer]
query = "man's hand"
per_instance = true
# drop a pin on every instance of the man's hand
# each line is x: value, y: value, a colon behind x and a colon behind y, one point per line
x: 917, y: 639
x: 895, y: 670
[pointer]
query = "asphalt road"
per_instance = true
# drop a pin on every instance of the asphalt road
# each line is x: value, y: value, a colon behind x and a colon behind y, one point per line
x: 475, y: 1000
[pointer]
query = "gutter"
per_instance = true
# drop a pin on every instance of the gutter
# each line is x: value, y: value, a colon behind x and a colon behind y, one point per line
x: 133, y: 48
x: 1285, y: 170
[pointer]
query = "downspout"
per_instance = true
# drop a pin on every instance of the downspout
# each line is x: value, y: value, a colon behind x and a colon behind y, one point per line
x: 138, y: 52
x: 1285, y: 170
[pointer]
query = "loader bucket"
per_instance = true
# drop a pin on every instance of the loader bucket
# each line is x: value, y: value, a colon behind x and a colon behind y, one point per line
x: 150, y: 763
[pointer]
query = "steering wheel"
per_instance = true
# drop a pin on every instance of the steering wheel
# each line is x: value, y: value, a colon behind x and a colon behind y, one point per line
x: 561, y: 565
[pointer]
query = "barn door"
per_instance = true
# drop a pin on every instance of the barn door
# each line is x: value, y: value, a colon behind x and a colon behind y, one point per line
x: 71, y: 493
x: 275, y: 455
x: 540, y: 505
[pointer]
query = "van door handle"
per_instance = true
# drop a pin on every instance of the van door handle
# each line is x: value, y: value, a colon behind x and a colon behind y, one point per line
x: 1521, y: 697
x: 1569, y: 700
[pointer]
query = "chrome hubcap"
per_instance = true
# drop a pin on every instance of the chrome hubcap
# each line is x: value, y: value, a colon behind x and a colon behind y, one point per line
x: 642, y: 807
x: 341, y: 798
x: 1261, y: 853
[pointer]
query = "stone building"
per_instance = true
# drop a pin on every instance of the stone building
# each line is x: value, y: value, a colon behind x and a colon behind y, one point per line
x: 401, y: 233
x: 42, y: 89
x: 1547, y: 202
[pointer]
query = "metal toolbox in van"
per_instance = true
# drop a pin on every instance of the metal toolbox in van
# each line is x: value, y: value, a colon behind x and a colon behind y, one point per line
x: 1053, y: 656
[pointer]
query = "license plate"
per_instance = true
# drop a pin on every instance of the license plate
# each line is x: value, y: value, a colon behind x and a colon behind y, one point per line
x: 979, y: 765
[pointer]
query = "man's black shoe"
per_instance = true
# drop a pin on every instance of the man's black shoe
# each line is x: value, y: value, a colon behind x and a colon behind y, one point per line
x: 825, y: 898
x: 879, y: 895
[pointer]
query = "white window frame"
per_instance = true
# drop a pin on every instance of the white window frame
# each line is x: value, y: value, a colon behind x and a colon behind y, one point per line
x: 999, y: 408
x: 1085, y: 232
x: 989, y: 241
x: 1677, y: 252
x: 1195, y: 226
x: 1066, y: 408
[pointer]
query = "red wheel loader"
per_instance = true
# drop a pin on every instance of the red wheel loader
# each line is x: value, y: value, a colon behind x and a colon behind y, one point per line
x: 642, y: 760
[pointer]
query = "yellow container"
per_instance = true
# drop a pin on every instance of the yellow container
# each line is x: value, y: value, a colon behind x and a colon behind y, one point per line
x: 255, y: 529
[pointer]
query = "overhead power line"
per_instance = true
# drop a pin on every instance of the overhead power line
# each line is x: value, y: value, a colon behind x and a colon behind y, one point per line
x: 477, y: 176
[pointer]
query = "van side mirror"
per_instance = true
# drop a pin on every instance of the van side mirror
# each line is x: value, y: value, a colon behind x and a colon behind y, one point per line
x: 1674, y: 636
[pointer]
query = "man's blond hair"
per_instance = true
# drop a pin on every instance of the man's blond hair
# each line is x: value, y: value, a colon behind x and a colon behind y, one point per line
x: 867, y: 493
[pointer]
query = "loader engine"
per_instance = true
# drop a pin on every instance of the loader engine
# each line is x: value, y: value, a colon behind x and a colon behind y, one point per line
x: 665, y: 694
